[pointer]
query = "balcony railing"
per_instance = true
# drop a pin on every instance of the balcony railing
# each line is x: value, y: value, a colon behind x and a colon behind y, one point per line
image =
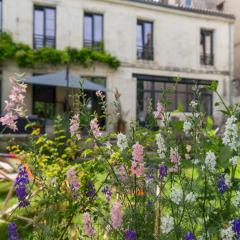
x: 44, y: 41
x: 207, y: 59
x: 97, y: 45
x: 145, y: 53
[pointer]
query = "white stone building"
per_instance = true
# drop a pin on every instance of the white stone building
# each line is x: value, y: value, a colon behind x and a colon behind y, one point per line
x: 155, y: 43
x: 233, y: 7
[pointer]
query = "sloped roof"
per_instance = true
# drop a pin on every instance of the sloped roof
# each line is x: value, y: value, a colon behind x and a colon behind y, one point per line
x: 187, y: 9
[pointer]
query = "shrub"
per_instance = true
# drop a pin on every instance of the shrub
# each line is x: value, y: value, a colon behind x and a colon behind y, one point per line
x: 180, y: 181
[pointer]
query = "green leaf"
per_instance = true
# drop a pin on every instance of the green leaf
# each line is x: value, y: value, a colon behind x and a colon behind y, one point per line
x: 224, y: 155
x: 213, y: 86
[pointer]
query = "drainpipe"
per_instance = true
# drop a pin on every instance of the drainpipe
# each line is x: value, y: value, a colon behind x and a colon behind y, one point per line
x: 230, y: 63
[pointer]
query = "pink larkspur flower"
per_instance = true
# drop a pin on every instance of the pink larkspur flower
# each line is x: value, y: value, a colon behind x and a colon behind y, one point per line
x: 9, y: 119
x: 137, y: 153
x: 137, y: 169
x: 159, y: 113
x: 72, y: 177
x: 175, y: 159
x: 137, y: 163
x: 87, y: 225
x: 116, y: 215
x: 95, y: 128
x: 75, y: 126
x: 173, y: 169
x: 99, y: 94
x: 14, y: 107
x: 122, y: 173
x: 174, y: 156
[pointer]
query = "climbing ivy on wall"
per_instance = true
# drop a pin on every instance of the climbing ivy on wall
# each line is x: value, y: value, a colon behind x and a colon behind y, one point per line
x: 28, y: 57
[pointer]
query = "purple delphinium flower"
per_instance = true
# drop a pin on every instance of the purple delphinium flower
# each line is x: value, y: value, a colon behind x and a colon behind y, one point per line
x: 73, y: 180
x: 21, y: 186
x: 189, y: 236
x: 107, y: 191
x: 149, y: 203
x: 236, y: 226
x: 150, y: 176
x: 222, y: 186
x: 90, y: 190
x: 130, y: 235
x: 163, y: 171
x: 12, y: 231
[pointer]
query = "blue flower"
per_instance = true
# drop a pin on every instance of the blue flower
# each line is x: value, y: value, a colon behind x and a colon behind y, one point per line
x: 21, y: 187
x: 130, y: 235
x: 107, y: 191
x: 163, y: 171
x: 236, y: 226
x: 222, y: 186
x: 189, y: 236
x: 91, y: 191
x: 12, y: 231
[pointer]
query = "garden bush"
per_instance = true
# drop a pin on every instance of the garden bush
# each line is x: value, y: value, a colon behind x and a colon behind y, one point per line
x: 180, y: 180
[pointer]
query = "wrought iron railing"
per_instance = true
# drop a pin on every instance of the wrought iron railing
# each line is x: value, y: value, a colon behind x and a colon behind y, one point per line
x: 44, y: 41
x: 145, y: 53
x: 207, y: 59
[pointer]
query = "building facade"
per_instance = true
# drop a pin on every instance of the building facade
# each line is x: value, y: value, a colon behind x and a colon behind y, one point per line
x: 155, y: 43
x: 233, y: 6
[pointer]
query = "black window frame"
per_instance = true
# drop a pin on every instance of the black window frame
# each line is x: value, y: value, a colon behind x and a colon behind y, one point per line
x: 44, y: 37
x: 34, y: 88
x: 1, y: 16
x: 98, y: 45
x: 169, y: 80
x: 143, y: 52
x: 206, y: 59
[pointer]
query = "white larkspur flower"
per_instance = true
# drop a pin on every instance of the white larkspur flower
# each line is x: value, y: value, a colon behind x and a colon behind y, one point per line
x: 230, y: 137
x: 176, y: 195
x: 122, y: 141
x: 234, y: 161
x: 227, y: 180
x: 188, y: 148
x: 210, y: 161
x: 108, y: 147
x: 190, y: 197
x: 193, y: 104
x: 167, y: 224
x: 161, y: 146
x: 236, y: 201
x: 227, y: 233
x: 187, y: 126
x: 195, y: 161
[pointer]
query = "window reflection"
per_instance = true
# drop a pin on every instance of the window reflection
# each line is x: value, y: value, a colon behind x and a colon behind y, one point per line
x: 44, y: 27
x: 1, y: 16
x: 176, y: 95
x: 93, y: 30
x: 144, y: 40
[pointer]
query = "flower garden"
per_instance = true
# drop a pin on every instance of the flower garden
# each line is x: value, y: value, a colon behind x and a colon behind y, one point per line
x: 170, y: 180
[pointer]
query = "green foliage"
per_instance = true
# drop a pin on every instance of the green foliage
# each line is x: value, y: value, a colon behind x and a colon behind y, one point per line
x: 27, y: 57
x: 87, y: 56
x: 7, y: 47
x: 156, y: 202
